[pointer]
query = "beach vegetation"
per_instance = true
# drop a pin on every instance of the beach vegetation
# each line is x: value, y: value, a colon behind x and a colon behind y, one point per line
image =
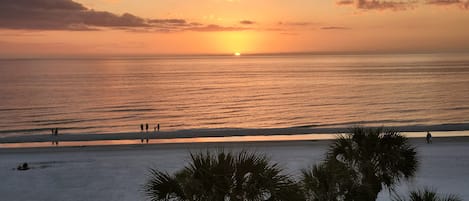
x: 224, y: 176
x: 328, y: 181
x: 360, y: 164
x: 357, y: 167
x: 427, y: 194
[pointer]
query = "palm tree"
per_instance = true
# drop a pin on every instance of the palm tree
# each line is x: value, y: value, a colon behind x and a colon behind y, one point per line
x: 372, y: 157
x: 224, y: 176
x: 427, y: 195
x: 328, y: 181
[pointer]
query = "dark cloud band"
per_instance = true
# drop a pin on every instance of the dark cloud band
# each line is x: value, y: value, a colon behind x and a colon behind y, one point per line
x: 70, y: 15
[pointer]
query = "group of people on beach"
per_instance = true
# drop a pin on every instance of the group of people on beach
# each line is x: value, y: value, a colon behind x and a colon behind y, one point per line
x: 145, y: 135
x: 55, y: 136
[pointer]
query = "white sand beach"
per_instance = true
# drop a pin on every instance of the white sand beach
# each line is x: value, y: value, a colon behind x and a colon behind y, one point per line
x: 99, y: 173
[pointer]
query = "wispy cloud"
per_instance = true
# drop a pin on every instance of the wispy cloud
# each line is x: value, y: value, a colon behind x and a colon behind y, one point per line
x: 295, y: 26
x: 172, y: 25
x: 396, y: 5
x: 379, y: 4
x: 443, y: 2
x: 460, y: 3
x: 247, y: 22
x: 344, y: 2
x: 214, y: 27
x: 177, y: 22
x: 299, y: 23
x: 334, y: 28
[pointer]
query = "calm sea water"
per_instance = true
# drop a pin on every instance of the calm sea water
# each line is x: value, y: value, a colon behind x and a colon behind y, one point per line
x: 102, y: 95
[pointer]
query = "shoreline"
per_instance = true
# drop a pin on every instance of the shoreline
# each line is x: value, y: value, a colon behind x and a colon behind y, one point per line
x: 229, y: 132
x: 417, y: 141
x: 212, y: 140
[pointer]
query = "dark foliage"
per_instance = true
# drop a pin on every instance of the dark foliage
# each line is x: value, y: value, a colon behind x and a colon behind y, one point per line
x: 359, y: 164
x: 427, y: 194
x: 225, y: 177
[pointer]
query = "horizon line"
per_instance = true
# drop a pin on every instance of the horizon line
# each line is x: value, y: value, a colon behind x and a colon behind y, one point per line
x: 170, y: 55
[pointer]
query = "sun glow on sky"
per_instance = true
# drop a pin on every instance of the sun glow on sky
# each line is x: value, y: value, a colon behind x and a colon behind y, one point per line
x: 89, y: 27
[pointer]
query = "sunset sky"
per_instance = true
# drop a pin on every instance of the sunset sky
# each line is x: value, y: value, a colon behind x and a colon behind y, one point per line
x: 100, y: 27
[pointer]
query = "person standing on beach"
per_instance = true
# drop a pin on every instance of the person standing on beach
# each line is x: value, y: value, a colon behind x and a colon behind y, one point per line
x: 56, y: 134
x: 429, y: 137
x: 141, y: 131
x: 146, y: 133
x: 158, y: 127
x: 53, y: 135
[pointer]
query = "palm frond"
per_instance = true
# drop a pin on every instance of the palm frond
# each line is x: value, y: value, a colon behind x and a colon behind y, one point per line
x: 161, y: 187
x: 427, y: 194
x: 242, y: 176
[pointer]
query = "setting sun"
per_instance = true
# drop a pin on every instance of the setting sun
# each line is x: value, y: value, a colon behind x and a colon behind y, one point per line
x: 237, y: 54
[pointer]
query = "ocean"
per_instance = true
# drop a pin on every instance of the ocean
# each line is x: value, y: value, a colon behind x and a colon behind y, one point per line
x: 117, y: 94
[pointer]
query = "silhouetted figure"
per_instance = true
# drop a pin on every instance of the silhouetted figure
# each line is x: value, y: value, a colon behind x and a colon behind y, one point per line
x: 146, y: 133
x: 158, y: 127
x: 52, y: 135
x: 24, y: 166
x: 141, y: 133
x: 429, y: 137
x: 55, y: 136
